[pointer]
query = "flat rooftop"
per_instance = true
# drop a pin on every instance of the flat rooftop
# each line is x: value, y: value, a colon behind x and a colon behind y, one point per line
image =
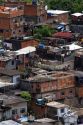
x: 40, y: 78
x: 10, y: 11
x: 49, y: 76
x: 7, y: 55
x: 77, y: 14
x: 9, y: 72
x: 11, y: 100
x: 56, y: 105
x: 4, y: 84
x: 56, y: 12
x: 45, y: 120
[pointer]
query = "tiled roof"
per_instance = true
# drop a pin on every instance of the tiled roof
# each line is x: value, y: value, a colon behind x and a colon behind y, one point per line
x: 63, y: 35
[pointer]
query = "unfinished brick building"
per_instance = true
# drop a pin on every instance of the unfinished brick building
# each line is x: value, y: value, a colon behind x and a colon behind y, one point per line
x: 11, y: 22
x: 32, y: 12
x: 56, y: 86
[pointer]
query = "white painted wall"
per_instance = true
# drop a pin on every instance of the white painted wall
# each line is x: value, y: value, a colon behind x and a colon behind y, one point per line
x: 60, y: 114
x: 15, y: 79
x: 71, y: 120
x: 19, y: 106
x: 10, y: 66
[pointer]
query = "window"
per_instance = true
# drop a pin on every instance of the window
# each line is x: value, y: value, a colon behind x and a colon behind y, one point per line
x: 14, y: 111
x: 18, y: 80
x: 12, y: 62
x: 21, y: 18
x: 62, y: 93
x: 15, y: 20
x: 19, y: 31
x: 22, y: 110
x: 62, y: 110
x: 14, y: 32
x: 32, y: 86
x: 1, y: 31
x: 70, y: 91
x: 7, y: 30
x: 26, y: 19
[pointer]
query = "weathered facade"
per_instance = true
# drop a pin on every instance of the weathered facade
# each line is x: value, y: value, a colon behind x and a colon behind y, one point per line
x: 16, y: 44
x: 78, y: 60
x: 11, y: 22
x: 13, y: 107
x: 58, y: 16
x: 58, y: 86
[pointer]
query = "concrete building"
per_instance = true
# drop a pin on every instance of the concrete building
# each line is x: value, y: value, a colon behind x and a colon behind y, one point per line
x: 13, y: 75
x: 12, y: 107
x: 62, y: 113
x: 16, y: 44
x: 7, y: 59
x: 59, y: 16
x: 77, y: 18
x: 77, y: 22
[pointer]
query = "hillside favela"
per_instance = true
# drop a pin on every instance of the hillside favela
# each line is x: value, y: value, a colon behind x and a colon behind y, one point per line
x: 41, y: 62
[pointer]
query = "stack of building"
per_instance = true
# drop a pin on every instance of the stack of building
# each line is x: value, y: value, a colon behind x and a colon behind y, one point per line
x: 49, y: 69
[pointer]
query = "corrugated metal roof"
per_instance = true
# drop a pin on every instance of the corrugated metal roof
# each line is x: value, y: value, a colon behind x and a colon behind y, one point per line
x: 77, y: 14
x: 56, y: 12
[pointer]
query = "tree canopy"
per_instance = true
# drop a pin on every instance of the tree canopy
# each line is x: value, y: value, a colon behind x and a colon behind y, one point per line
x: 69, y: 5
x: 26, y: 95
x: 43, y: 31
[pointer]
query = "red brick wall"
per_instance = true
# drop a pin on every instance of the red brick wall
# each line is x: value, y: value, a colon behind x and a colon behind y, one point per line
x: 65, y: 82
x: 48, y: 86
x: 63, y: 18
x: 69, y: 92
x: 79, y: 91
x: 2, y: 64
x: 38, y: 110
x: 60, y: 18
x: 30, y: 10
x: 4, y: 23
x: 59, y: 84
x: 29, y: 43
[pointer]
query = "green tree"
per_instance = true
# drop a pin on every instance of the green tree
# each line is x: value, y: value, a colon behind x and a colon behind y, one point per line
x: 26, y: 95
x: 72, y: 6
x: 28, y: 1
x: 43, y: 31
